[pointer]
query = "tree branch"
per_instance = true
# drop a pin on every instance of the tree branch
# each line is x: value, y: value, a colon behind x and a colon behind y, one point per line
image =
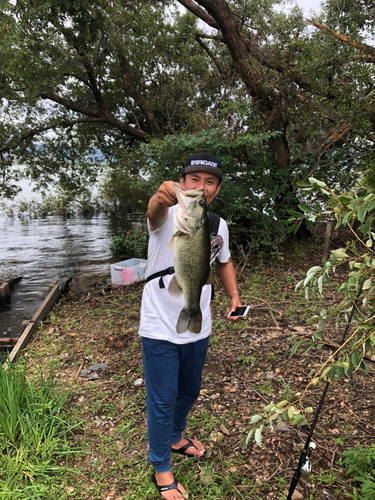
x: 210, y: 54
x: 36, y: 131
x: 368, y: 49
x: 103, y: 116
x: 197, y: 11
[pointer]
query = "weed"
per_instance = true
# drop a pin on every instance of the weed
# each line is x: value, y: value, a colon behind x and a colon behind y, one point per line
x: 37, y: 433
x: 360, y: 464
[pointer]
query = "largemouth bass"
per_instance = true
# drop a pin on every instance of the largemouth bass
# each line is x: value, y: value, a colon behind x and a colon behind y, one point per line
x: 191, y: 259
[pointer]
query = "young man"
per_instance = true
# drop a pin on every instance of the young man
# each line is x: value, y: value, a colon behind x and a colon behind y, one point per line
x: 173, y: 362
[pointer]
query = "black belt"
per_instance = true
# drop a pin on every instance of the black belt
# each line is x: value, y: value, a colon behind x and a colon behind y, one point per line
x: 165, y: 272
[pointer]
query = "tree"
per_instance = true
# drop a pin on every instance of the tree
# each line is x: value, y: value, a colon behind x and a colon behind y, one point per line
x: 98, y: 85
x: 300, y: 84
x: 83, y: 77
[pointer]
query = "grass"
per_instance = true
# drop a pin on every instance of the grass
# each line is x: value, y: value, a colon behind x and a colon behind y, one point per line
x: 37, y: 434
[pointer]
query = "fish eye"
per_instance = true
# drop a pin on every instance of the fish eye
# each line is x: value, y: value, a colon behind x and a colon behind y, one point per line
x: 202, y: 203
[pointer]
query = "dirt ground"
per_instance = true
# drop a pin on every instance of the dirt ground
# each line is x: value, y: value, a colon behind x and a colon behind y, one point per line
x: 248, y: 366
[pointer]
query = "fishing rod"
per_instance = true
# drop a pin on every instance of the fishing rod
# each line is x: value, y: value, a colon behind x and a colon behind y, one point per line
x: 304, y: 464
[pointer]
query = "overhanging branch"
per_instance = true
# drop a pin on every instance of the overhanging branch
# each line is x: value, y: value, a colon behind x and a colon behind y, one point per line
x: 37, y: 131
x: 368, y: 49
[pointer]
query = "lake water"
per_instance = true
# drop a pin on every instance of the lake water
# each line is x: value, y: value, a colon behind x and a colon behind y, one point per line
x: 53, y: 248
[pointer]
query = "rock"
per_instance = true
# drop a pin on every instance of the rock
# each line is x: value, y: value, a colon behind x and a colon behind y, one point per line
x: 84, y: 373
x: 93, y: 376
x: 224, y: 430
x: 283, y: 427
x: 138, y: 382
x: 98, y: 367
x: 296, y: 495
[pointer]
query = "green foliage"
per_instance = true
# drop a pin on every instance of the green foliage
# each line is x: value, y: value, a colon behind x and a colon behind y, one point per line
x: 274, y: 414
x: 357, y: 212
x: 123, y: 189
x: 132, y: 244
x: 36, y: 432
x: 252, y: 189
x: 359, y: 463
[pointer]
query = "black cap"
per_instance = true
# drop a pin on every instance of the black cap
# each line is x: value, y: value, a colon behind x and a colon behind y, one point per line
x: 203, y: 162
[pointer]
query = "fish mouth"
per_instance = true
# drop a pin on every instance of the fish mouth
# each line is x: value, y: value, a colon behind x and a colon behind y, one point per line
x: 193, y: 193
x: 183, y: 227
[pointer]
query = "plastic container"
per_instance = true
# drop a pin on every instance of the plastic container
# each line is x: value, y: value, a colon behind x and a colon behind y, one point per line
x: 127, y: 271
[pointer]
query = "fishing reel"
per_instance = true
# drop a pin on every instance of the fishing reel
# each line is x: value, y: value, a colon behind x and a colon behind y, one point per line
x: 306, y: 467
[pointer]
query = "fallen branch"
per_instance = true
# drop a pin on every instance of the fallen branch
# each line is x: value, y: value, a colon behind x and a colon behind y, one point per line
x: 269, y: 309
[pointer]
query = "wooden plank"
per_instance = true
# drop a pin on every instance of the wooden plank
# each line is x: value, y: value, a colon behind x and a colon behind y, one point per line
x: 5, y: 289
x: 40, y: 315
x: 47, y: 304
x: 8, y: 340
x: 4, y: 293
x: 65, y: 285
x: 22, y: 342
x: 24, y: 324
x: 14, y: 281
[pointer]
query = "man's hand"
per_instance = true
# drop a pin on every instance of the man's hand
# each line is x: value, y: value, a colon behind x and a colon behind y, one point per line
x: 166, y: 195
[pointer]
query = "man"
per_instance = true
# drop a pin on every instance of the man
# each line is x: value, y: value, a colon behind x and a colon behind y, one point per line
x: 173, y: 362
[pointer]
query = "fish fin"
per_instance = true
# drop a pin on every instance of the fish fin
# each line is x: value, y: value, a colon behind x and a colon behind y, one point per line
x: 174, y: 288
x: 187, y: 321
x: 176, y: 234
x: 210, y: 279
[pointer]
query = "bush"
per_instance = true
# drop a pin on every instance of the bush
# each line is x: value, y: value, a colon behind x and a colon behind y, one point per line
x: 132, y: 244
x: 360, y: 464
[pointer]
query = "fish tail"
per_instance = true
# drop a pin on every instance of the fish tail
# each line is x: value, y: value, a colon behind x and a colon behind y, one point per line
x: 189, y: 321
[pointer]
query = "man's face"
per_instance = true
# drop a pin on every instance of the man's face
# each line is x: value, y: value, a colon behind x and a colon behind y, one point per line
x: 202, y: 180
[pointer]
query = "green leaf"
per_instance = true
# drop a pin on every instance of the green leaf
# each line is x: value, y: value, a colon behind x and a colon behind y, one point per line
x: 303, y: 184
x: 255, y: 419
x: 249, y: 436
x: 314, y: 269
x: 296, y: 346
x: 299, y: 420
x: 317, y: 183
x: 367, y: 284
x: 282, y: 403
x: 322, y: 325
x: 308, y: 278
x: 299, y: 284
x: 355, y: 358
x: 340, y: 253
x: 291, y: 412
x: 320, y: 284
x: 305, y: 208
x: 362, y: 212
x: 258, y: 436
x: 299, y: 215
x: 340, y: 372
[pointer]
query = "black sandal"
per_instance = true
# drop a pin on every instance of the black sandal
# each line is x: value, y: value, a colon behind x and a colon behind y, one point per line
x: 182, y: 450
x: 161, y: 489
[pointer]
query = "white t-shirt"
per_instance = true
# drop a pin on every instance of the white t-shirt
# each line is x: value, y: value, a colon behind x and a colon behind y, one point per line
x: 160, y: 311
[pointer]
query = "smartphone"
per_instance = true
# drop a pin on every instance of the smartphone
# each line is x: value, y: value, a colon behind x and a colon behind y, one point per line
x: 239, y: 312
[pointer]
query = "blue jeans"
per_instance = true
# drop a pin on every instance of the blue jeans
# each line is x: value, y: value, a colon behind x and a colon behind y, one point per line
x: 173, y: 375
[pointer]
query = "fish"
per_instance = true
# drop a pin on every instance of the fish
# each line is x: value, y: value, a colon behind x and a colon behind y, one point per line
x: 191, y: 256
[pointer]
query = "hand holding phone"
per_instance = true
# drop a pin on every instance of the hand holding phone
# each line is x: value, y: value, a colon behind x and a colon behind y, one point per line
x: 239, y: 312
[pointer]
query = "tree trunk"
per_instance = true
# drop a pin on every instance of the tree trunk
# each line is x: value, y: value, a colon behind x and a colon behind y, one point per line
x: 247, y: 61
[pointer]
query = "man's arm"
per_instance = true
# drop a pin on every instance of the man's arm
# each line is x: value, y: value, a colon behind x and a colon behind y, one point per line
x: 228, y: 278
x: 159, y: 203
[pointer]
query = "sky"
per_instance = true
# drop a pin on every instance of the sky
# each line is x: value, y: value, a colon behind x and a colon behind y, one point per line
x: 308, y: 5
